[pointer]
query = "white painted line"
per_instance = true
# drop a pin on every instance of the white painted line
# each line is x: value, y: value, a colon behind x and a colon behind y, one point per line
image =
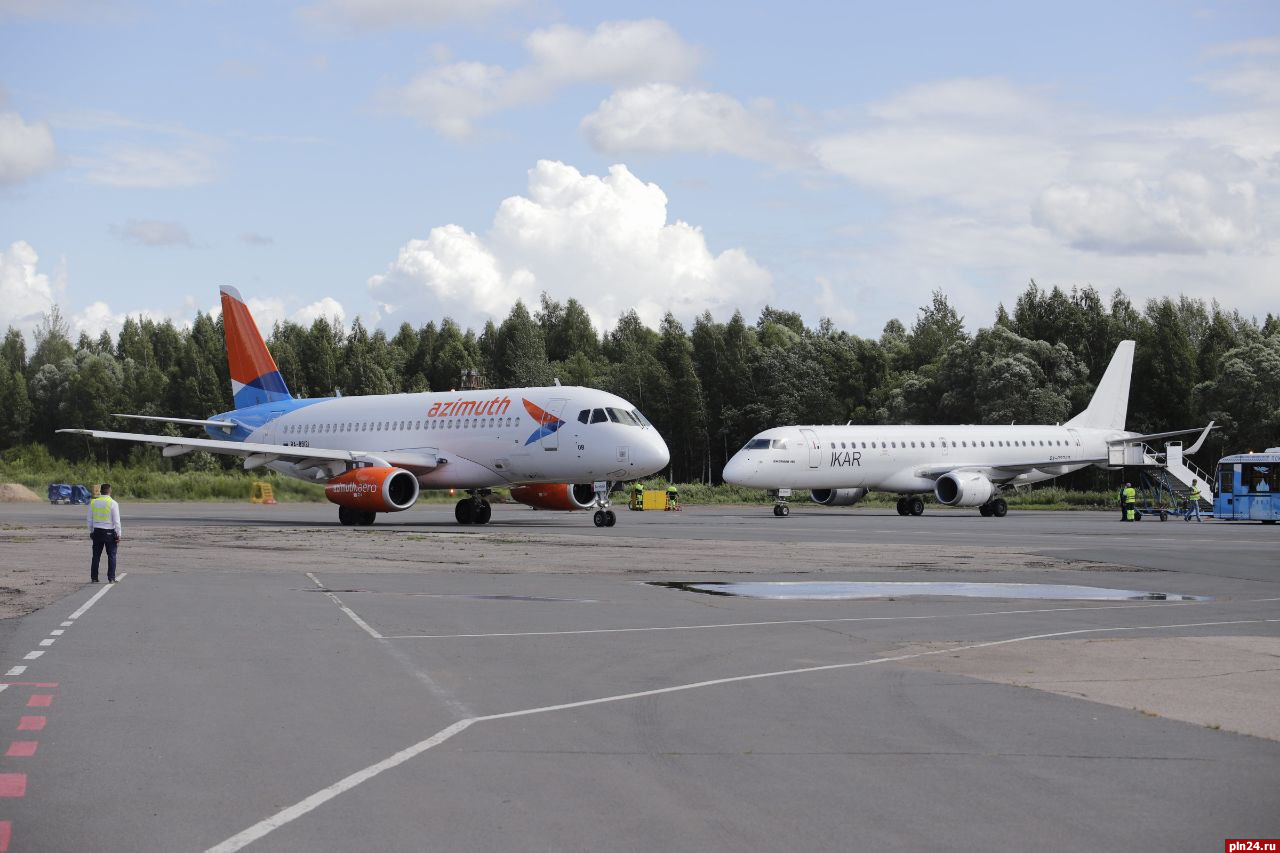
x: 67, y: 624
x: 97, y: 595
x: 785, y: 622
x: 57, y: 632
x: 279, y: 819
x: 16, y: 670
x: 292, y: 813
x: 345, y: 609
x: 47, y: 642
x: 3, y: 687
x: 32, y: 655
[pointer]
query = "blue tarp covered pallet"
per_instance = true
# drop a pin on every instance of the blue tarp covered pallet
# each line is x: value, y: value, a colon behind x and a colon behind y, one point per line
x: 81, y: 495
x: 59, y: 493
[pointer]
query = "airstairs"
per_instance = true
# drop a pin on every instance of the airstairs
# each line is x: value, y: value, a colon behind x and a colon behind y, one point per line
x: 1169, y: 473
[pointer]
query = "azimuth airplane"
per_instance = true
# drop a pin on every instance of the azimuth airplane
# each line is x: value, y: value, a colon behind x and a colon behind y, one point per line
x: 556, y: 447
x: 962, y: 465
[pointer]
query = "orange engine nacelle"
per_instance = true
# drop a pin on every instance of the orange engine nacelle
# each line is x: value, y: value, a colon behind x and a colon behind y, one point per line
x: 374, y: 489
x: 556, y: 496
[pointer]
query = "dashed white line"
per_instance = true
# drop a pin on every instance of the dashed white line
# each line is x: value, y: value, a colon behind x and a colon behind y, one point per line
x: 319, y: 798
x: 32, y: 655
x: 48, y: 642
x: 16, y: 670
x: 67, y: 624
x: 57, y: 632
x: 96, y: 596
x: 345, y: 609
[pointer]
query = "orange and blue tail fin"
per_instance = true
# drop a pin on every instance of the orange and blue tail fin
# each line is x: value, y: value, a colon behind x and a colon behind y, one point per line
x: 255, y: 378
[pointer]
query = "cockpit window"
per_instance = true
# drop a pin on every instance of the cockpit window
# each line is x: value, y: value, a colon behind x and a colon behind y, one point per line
x: 621, y: 416
x: 584, y: 415
x: 598, y: 416
x: 779, y: 444
x: 757, y: 444
x: 635, y: 413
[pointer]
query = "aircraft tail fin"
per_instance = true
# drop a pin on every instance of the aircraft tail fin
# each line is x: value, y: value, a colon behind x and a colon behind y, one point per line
x: 255, y: 378
x: 1109, y: 406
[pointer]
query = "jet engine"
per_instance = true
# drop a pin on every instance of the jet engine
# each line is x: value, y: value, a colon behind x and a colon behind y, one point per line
x: 556, y: 495
x: 837, y: 497
x: 964, y: 488
x: 373, y: 489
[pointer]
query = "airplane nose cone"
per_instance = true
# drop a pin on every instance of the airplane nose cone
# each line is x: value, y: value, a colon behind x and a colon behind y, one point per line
x: 736, y: 470
x: 659, y: 454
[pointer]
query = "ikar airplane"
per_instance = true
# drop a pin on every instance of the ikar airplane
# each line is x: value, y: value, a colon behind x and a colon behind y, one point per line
x: 968, y: 466
x: 555, y: 448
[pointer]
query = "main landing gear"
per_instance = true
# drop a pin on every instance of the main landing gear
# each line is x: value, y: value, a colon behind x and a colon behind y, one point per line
x: 995, y: 507
x: 474, y: 509
x: 780, y: 498
x: 349, y: 517
x: 603, y: 516
x: 911, y: 505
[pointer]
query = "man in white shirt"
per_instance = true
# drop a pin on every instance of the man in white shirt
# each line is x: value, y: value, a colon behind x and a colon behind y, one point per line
x: 104, y: 531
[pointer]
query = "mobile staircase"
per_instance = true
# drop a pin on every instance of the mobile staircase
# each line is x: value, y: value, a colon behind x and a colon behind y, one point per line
x: 1165, y: 477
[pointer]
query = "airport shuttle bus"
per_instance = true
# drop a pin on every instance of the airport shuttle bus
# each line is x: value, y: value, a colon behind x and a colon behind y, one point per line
x: 1247, y: 487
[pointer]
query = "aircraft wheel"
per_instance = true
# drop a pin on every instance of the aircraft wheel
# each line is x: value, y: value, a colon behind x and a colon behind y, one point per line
x: 346, y: 516
x: 916, y: 505
x: 465, y: 511
x: 999, y: 508
x: 777, y: 510
x: 985, y: 510
x: 784, y: 510
x: 609, y: 518
x: 1164, y: 516
x: 367, y: 518
x: 598, y: 518
x: 902, y: 506
x: 483, y: 512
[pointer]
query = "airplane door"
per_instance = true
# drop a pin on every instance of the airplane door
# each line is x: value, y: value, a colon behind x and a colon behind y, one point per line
x: 815, y: 450
x: 551, y: 424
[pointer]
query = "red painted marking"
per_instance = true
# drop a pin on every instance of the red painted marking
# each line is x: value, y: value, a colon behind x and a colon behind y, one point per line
x: 40, y: 700
x: 6, y: 830
x: 13, y: 784
x: 31, y: 724
x: 22, y: 749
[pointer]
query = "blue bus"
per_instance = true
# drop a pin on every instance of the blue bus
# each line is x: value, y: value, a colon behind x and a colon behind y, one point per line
x: 1247, y: 487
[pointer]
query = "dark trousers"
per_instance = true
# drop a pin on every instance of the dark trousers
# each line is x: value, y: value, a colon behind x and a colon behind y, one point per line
x: 103, y: 539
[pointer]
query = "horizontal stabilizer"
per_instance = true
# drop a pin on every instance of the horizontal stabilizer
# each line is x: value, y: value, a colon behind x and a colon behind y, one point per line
x: 1152, y: 436
x: 225, y: 426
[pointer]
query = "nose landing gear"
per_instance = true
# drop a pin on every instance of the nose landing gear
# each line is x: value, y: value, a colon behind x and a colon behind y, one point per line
x: 780, y: 498
x: 603, y: 516
x: 474, y: 509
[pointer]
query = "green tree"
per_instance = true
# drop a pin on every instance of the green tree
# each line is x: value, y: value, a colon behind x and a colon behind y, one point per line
x: 520, y: 355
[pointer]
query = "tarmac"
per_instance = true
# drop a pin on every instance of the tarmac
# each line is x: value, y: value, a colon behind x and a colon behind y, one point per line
x: 264, y: 679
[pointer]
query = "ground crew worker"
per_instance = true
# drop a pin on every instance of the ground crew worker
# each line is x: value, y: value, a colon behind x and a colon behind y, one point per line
x: 673, y: 497
x: 1120, y: 501
x: 1193, y: 503
x: 637, y: 496
x: 1130, y: 502
x: 104, y: 532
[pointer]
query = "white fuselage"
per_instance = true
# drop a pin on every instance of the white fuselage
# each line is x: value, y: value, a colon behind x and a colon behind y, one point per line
x: 478, y: 439
x: 908, y: 459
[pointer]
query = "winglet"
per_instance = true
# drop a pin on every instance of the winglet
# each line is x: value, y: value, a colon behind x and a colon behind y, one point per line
x: 1199, y: 441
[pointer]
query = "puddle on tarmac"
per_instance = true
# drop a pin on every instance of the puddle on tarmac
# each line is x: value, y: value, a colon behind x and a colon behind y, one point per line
x: 845, y: 590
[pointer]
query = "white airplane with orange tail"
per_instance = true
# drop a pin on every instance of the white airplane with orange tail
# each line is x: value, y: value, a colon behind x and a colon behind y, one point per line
x: 555, y: 448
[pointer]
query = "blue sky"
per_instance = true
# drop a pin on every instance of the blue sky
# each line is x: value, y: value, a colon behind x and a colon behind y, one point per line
x: 411, y: 159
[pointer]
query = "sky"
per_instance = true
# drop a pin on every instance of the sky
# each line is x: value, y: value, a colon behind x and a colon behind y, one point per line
x: 408, y: 160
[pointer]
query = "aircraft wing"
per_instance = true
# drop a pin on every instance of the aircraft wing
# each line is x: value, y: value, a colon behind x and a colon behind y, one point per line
x: 1005, y: 470
x: 258, y: 454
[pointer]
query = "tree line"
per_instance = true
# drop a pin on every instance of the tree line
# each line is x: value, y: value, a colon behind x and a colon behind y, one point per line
x: 707, y: 388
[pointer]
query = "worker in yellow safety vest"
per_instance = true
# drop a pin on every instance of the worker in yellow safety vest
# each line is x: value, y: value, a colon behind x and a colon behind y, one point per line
x: 104, y: 531
x: 673, y: 497
x: 637, y: 496
x: 1130, y: 503
x: 1193, y: 503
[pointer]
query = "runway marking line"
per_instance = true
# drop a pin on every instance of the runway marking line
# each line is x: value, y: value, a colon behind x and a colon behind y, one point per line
x: 97, y: 596
x: 57, y: 632
x: 67, y: 624
x: 48, y: 642
x: 345, y: 609
x: 6, y: 833
x: 13, y: 784
x: 287, y: 815
x: 32, y: 723
x: 22, y: 749
x: 50, y: 684
x: 40, y: 700
x: 32, y: 655
x: 16, y: 670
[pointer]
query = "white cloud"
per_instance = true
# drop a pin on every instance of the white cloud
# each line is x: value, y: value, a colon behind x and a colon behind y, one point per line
x: 25, y: 293
x: 25, y: 149
x: 604, y: 240
x: 153, y: 232
x: 1247, y: 47
x: 157, y: 168
x: 663, y: 118
x: 377, y: 14
x: 328, y: 308
x: 451, y: 98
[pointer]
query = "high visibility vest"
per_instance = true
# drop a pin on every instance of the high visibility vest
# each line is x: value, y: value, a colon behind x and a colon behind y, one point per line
x: 101, y: 509
x: 1195, y: 493
x: 1130, y: 495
